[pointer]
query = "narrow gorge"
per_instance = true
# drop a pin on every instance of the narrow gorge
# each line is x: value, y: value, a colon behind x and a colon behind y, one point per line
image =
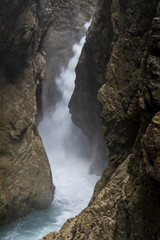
x: 115, y: 104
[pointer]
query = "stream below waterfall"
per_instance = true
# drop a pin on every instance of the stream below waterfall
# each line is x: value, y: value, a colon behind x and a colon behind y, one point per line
x: 65, y: 146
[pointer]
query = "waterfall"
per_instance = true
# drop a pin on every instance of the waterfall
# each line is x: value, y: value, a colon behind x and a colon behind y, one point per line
x: 60, y: 137
x: 66, y: 148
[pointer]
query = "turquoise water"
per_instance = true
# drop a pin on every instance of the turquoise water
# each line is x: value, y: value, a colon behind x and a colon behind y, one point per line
x: 71, y: 197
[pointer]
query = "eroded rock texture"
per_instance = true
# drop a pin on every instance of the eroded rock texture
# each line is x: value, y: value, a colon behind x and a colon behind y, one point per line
x: 125, y: 204
x: 25, y: 176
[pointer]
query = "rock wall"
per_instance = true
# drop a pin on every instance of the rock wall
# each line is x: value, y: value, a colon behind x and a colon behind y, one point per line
x: 125, y: 204
x: 25, y: 176
x: 84, y: 107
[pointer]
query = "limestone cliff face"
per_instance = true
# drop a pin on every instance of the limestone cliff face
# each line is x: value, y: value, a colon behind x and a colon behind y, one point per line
x: 125, y: 204
x: 65, y: 30
x: 25, y: 176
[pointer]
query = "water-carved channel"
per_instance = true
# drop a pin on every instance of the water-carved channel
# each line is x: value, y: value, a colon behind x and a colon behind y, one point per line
x: 65, y: 145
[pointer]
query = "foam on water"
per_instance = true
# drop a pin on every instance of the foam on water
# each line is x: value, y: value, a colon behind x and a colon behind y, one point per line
x: 74, y: 186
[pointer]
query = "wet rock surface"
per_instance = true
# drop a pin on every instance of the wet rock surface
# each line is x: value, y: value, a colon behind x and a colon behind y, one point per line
x: 25, y: 176
x: 125, y: 204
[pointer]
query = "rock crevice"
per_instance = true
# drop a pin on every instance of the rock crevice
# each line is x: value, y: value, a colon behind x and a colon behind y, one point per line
x: 31, y: 33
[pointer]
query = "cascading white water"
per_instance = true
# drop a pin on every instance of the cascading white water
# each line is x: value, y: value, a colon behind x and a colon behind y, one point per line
x: 74, y: 186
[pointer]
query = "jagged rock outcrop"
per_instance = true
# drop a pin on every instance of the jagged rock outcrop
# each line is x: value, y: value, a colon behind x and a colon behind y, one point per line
x: 84, y: 107
x: 66, y: 29
x: 125, y: 204
x: 25, y: 176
